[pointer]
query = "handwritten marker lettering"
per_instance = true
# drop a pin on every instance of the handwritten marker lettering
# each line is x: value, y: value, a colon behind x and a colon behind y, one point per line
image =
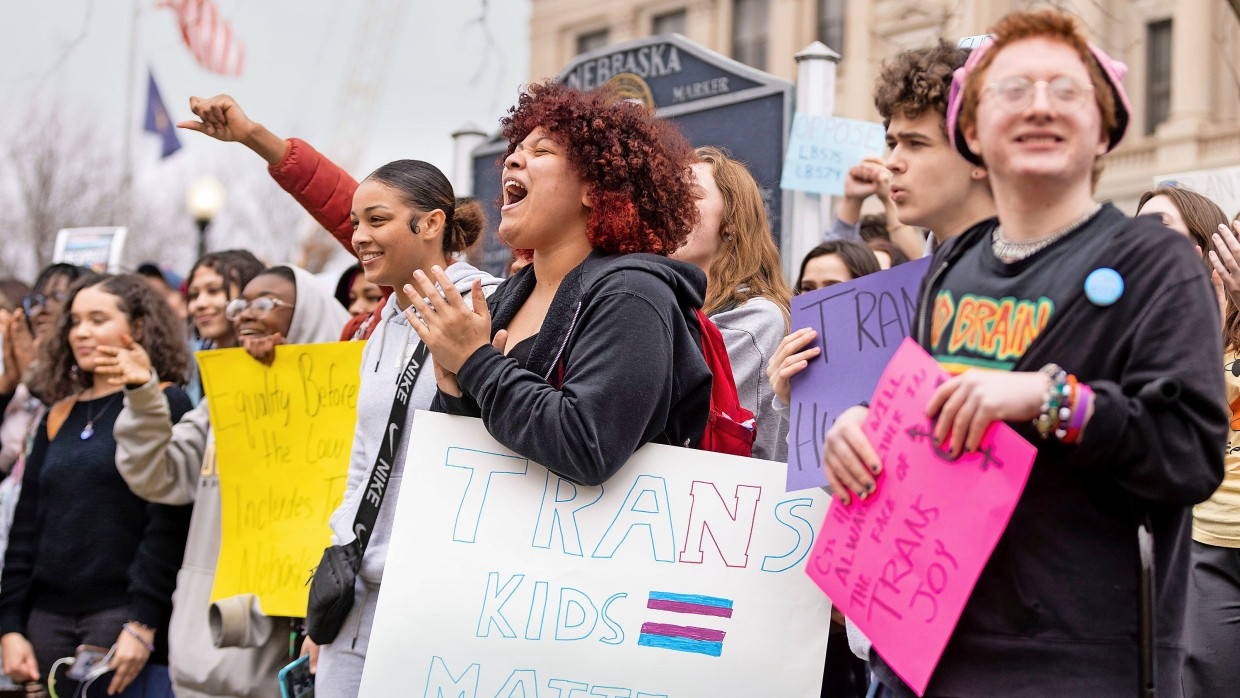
x: 859, y: 324
x: 902, y: 563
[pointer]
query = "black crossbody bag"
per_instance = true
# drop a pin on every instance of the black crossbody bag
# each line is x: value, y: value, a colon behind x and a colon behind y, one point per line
x: 331, y: 588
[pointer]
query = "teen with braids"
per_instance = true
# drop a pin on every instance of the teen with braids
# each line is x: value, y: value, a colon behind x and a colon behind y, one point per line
x: 88, y: 561
x: 746, y: 295
x: 595, y: 342
x: 1055, y: 611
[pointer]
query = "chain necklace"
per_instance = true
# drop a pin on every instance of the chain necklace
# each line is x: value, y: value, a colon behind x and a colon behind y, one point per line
x: 1009, y: 251
x: 89, y: 430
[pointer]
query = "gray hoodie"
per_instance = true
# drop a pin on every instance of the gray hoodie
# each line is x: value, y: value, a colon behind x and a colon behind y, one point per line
x: 383, y: 360
x: 752, y: 332
x: 176, y: 465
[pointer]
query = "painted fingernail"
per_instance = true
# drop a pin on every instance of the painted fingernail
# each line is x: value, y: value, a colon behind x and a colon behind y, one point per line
x: 843, y: 500
x: 869, y: 487
x: 864, y: 494
x: 875, y: 468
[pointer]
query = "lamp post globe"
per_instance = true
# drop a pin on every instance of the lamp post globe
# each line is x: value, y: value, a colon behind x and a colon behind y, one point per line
x: 204, y: 198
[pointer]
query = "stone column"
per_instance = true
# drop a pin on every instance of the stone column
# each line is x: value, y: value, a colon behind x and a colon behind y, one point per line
x: 1190, y: 64
x: 1178, y: 145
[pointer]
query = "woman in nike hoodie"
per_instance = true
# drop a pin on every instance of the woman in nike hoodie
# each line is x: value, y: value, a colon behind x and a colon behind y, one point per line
x: 405, y: 218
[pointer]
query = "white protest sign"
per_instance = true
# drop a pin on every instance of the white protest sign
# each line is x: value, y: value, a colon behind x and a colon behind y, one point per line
x: 681, y: 576
x: 972, y: 42
x: 1220, y: 185
x: 821, y: 150
x: 98, y: 248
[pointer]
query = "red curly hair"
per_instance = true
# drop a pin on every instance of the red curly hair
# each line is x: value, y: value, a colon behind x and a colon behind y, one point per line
x: 637, y: 167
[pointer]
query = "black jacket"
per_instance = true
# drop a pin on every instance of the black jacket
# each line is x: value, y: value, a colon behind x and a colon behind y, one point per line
x: 1055, y: 610
x: 622, y: 329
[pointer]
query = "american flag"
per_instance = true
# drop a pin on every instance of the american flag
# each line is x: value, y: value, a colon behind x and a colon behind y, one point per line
x: 208, y: 35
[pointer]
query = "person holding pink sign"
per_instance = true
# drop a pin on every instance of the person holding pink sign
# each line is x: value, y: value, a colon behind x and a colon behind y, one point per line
x: 1067, y: 320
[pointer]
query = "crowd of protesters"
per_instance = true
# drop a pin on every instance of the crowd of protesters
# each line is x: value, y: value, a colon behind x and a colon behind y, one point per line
x: 627, y: 240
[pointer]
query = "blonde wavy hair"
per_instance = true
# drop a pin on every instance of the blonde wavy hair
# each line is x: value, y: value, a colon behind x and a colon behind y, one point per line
x: 747, y: 254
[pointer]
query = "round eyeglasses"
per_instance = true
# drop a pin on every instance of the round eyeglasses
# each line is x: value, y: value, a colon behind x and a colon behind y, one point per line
x: 1015, y: 94
x: 38, y: 301
x: 259, y: 307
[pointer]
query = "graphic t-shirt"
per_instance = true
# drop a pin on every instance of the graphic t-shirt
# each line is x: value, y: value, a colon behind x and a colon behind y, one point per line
x: 986, y: 312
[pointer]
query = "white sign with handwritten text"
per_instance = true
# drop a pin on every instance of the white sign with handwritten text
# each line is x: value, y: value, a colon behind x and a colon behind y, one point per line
x: 681, y: 576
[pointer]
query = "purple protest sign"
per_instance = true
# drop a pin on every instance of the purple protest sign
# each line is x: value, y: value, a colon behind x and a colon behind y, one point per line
x: 860, y: 325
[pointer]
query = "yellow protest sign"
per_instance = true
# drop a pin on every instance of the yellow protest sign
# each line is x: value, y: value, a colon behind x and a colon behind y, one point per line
x: 283, y: 435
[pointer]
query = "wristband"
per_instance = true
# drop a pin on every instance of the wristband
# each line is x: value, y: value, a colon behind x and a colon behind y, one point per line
x: 1079, y: 413
x: 128, y: 627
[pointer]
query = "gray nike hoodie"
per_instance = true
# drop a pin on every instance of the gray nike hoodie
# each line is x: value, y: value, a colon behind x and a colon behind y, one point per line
x: 383, y: 360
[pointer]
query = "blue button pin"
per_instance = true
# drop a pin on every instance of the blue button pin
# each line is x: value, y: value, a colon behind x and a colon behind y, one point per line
x: 1104, y: 286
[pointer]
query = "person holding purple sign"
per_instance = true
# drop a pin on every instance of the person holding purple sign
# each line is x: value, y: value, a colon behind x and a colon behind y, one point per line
x: 1067, y: 320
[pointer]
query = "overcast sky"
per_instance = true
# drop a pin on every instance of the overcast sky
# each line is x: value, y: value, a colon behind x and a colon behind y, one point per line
x: 440, y: 72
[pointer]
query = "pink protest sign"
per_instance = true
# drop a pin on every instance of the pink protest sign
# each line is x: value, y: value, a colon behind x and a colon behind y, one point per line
x: 902, y: 563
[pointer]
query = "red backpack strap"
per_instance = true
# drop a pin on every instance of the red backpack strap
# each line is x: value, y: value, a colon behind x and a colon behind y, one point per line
x: 730, y: 428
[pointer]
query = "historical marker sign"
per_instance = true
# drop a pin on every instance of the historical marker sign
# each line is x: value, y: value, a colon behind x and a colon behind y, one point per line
x: 712, y: 98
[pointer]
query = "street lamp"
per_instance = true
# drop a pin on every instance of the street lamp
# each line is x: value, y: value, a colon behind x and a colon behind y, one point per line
x: 203, y: 199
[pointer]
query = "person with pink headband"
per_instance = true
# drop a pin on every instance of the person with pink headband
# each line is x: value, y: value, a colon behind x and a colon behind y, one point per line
x: 1094, y: 335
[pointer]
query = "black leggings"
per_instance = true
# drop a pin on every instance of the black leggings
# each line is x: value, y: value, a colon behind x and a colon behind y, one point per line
x: 1212, y: 626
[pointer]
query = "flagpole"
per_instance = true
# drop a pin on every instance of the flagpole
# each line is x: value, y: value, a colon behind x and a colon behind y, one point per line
x: 127, y: 122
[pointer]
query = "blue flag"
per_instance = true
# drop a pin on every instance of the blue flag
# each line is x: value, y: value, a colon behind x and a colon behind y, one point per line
x: 157, y: 120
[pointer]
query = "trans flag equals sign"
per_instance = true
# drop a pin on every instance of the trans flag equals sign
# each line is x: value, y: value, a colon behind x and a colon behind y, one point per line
x: 685, y: 638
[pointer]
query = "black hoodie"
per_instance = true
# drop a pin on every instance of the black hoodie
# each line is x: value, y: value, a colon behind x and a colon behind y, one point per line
x: 623, y: 331
x: 1054, y: 612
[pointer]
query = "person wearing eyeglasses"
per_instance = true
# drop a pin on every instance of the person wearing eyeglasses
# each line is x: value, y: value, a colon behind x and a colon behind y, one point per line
x: 1102, y: 351
x: 24, y: 332
x: 176, y: 465
x: 26, y: 327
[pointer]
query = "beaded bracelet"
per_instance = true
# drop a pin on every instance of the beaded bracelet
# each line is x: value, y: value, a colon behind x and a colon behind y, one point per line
x: 128, y: 627
x: 1047, y: 418
x: 1067, y: 407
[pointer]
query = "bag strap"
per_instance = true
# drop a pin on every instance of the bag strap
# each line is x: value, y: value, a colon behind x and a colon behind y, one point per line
x: 376, y: 486
x: 57, y: 414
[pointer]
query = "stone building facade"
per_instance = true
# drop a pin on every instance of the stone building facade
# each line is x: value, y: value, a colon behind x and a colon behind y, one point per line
x: 1183, y: 55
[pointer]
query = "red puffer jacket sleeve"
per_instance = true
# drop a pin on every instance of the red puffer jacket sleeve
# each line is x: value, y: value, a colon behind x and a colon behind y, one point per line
x: 320, y: 186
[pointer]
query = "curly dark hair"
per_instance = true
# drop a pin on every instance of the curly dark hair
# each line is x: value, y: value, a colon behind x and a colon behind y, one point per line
x: 637, y: 167
x: 918, y: 81
x: 155, y: 328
